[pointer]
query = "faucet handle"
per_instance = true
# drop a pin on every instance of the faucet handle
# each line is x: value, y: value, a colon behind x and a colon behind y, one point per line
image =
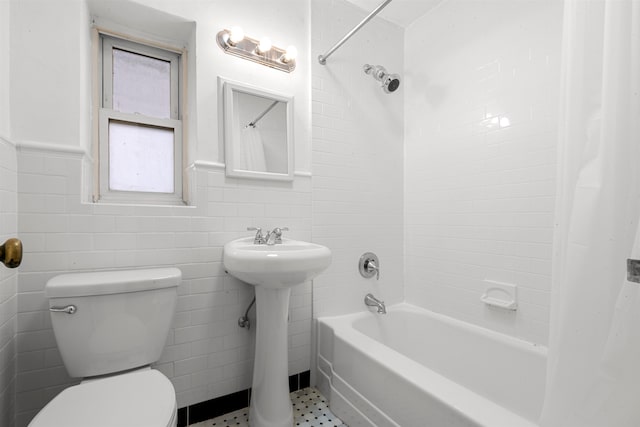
x: 278, y: 233
x: 369, y: 265
x: 259, y: 239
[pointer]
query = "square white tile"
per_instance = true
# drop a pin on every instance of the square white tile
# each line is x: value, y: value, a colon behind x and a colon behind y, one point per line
x: 309, y: 410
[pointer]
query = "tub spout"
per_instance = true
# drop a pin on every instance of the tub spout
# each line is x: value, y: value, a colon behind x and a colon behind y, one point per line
x: 372, y: 301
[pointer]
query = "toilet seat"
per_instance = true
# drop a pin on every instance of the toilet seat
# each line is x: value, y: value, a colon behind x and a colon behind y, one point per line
x: 143, y: 398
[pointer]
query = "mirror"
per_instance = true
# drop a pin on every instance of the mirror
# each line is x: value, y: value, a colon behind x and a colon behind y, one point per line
x: 258, y: 132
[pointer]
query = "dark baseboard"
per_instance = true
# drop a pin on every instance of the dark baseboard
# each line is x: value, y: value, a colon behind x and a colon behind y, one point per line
x: 231, y: 402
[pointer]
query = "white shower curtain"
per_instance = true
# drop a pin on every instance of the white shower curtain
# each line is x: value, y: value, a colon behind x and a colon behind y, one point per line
x: 593, y: 376
x: 253, y: 150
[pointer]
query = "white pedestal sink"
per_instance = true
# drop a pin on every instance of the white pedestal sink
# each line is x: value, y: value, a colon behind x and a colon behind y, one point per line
x: 273, y: 270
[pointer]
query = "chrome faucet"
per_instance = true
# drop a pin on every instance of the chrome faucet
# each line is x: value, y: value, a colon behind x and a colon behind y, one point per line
x: 372, y: 301
x: 274, y: 236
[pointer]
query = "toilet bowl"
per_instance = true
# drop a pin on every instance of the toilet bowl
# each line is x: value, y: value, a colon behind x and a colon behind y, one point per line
x: 143, y: 398
x: 110, y: 327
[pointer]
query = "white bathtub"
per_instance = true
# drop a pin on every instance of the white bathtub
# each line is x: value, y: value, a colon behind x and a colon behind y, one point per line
x: 415, y: 368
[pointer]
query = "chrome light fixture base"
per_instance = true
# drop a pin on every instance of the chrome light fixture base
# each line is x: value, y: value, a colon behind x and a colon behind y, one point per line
x: 247, y: 48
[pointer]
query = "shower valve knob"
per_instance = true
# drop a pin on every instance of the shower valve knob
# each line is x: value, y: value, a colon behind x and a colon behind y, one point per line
x: 369, y: 265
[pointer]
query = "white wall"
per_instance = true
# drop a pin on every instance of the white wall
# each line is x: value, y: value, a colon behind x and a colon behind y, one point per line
x: 479, y: 197
x: 286, y: 22
x: 4, y: 68
x: 8, y: 284
x: 357, y: 158
x: 45, y: 83
x: 65, y: 78
x: 207, y: 354
x: 8, y: 229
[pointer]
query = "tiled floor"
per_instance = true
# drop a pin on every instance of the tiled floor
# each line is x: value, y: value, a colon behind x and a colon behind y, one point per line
x: 309, y: 410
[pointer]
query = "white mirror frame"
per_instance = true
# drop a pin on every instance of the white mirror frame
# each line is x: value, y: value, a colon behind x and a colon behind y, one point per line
x: 231, y: 164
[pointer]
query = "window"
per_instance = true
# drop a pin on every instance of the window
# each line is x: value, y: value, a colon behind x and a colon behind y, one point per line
x: 140, y: 129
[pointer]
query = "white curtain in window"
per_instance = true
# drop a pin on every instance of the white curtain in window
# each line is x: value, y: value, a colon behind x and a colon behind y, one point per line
x: 593, y: 376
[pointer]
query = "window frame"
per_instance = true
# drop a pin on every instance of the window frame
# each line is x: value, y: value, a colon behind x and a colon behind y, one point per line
x: 106, y: 42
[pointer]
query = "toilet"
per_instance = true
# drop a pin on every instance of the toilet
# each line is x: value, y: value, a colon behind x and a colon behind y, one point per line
x: 110, y: 327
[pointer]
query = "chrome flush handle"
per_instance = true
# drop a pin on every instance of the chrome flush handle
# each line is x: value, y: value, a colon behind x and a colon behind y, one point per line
x: 70, y: 309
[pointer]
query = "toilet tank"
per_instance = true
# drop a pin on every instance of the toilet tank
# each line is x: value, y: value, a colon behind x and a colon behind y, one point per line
x: 120, y: 321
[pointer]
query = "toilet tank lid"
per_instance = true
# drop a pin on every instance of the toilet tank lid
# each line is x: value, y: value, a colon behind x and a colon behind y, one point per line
x: 111, y: 282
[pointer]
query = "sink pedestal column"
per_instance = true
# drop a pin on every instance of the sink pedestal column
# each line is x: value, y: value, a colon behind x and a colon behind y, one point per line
x: 270, y: 402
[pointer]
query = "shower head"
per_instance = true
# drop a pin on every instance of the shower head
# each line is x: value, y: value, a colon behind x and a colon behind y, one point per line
x: 390, y: 82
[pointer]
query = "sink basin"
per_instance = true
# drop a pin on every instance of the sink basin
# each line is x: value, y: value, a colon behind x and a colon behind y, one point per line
x: 283, y: 265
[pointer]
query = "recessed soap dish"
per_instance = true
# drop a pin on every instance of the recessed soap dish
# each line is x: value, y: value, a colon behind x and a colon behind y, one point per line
x: 500, y: 295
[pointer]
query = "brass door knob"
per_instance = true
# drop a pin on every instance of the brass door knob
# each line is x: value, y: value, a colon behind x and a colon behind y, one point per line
x: 11, y: 253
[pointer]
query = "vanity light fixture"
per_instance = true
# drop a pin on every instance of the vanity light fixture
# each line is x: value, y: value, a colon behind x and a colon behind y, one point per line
x: 290, y: 54
x: 234, y: 42
x: 264, y: 46
x: 236, y: 35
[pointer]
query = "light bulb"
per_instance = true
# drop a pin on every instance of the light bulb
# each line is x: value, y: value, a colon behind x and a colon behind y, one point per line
x: 290, y: 54
x: 264, y: 45
x: 236, y: 35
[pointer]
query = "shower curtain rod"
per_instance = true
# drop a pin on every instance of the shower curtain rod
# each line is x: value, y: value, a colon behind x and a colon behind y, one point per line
x: 323, y: 58
x: 261, y: 115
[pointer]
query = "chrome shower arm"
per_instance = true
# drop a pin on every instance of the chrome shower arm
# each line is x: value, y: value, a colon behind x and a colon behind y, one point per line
x: 323, y: 58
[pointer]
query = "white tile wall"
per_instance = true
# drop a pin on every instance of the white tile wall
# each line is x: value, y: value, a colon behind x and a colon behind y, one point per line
x: 480, y: 158
x: 8, y: 284
x: 357, y: 157
x: 207, y: 355
x: 8, y: 229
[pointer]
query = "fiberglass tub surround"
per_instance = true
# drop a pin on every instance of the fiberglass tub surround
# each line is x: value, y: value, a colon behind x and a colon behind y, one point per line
x: 414, y: 367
